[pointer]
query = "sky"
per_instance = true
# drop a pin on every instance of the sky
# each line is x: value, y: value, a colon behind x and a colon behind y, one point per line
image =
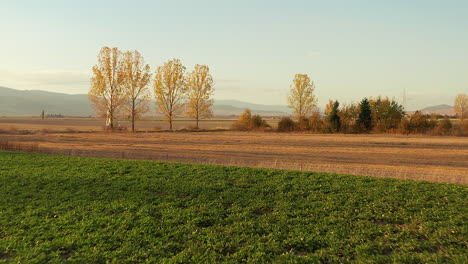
x: 350, y: 49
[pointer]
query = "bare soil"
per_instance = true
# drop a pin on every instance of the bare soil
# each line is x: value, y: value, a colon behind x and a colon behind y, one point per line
x: 97, y: 124
x: 439, y: 159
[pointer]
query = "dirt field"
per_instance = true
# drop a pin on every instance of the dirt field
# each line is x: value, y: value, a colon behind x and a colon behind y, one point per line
x: 440, y: 159
x: 97, y: 124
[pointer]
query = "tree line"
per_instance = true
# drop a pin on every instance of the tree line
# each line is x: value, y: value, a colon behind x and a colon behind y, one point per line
x: 121, y: 80
x: 380, y: 115
x: 120, y: 86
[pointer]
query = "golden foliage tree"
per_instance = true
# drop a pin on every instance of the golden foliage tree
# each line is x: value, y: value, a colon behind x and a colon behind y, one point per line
x: 461, y: 106
x: 329, y: 107
x: 245, y: 117
x: 301, y: 97
x: 199, y: 84
x: 135, y: 85
x: 106, y: 94
x: 169, y: 89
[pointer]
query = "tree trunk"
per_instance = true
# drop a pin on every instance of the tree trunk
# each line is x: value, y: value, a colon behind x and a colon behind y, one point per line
x: 197, y: 124
x: 133, y: 116
x: 111, y: 122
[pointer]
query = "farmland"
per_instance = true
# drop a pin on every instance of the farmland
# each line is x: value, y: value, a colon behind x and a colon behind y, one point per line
x: 97, y: 124
x: 439, y: 159
x: 91, y: 210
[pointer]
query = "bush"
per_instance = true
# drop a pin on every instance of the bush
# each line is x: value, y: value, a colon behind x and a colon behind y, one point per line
x: 303, y: 124
x: 461, y: 129
x: 286, y: 124
x: 418, y: 123
x: 333, y: 118
x: 445, y: 126
x: 257, y: 122
x: 316, y: 122
x: 242, y: 123
x: 247, y: 121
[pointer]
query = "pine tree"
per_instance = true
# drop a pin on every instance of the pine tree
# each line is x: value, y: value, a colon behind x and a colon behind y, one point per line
x: 365, y: 116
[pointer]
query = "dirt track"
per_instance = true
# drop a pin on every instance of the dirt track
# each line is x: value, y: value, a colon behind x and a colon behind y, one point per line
x: 440, y: 159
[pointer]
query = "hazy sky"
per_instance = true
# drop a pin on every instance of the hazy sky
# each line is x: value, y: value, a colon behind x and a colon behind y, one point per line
x: 351, y: 49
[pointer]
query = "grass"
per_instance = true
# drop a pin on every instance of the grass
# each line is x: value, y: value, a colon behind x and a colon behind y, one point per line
x: 89, y: 210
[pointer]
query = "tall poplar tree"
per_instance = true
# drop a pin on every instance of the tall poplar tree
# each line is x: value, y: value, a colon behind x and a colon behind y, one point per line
x: 169, y: 89
x: 106, y: 94
x: 135, y: 85
x: 199, y: 92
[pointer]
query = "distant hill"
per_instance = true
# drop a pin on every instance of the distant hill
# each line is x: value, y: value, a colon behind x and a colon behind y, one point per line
x: 31, y: 103
x: 442, y: 109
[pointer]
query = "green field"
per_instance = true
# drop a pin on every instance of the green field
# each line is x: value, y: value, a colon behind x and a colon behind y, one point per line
x: 87, y: 210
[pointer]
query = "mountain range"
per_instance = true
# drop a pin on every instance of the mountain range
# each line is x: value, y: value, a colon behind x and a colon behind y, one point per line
x: 31, y: 103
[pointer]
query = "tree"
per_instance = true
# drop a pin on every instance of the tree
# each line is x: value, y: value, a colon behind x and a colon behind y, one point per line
x: 333, y: 116
x: 245, y: 117
x: 329, y: 107
x: 43, y: 114
x: 461, y: 106
x: 169, y: 89
x: 105, y: 93
x: 301, y: 97
x: 135, y: 85
x: 417, y: 123
x: 365, y: 115
x: 386, y: 113
x: 349, y: 114
x: 199, y: 91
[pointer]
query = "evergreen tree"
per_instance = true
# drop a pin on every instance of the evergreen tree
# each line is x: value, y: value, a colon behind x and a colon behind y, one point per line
x: 334, y: 118
x: 365, y: 116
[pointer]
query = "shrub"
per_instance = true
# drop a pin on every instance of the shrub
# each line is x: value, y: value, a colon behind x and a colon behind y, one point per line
x: 257, y: 122
x: 316, y: 122
x: 461, y: 129
x: 403, y: 126
x: 333, y: 118
x: 445, y: 126
x: 247, y: 121
x: 348, y: 117
x: 432, y: 122
x: 243, y: 122
x: 286, y: 124
x: 418, y: 123
x: 302, y: 125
